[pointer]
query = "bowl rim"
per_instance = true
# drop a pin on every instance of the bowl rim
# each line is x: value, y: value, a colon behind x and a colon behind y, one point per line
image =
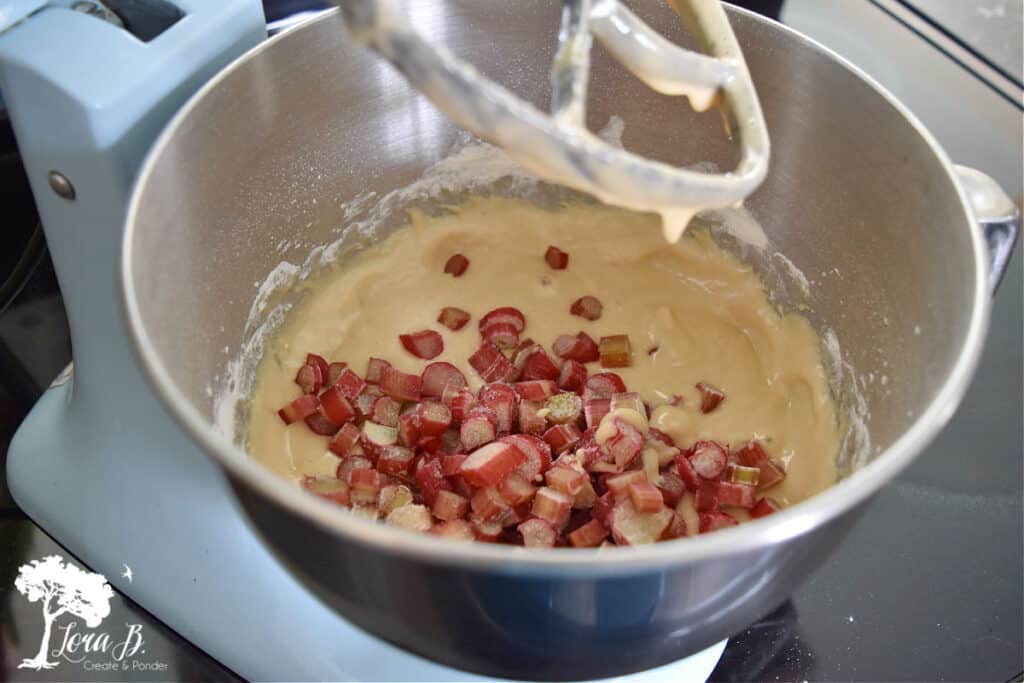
x: 789, y: 523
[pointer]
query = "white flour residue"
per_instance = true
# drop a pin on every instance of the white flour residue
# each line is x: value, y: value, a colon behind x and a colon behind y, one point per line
x: 855, y: 448
x: 795, y: 274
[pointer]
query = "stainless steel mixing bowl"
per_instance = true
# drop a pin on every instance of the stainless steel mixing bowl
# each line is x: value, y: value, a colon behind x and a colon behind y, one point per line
x: 857, y: 192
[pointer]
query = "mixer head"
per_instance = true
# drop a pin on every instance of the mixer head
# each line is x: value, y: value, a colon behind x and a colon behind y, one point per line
x: 557, y: 146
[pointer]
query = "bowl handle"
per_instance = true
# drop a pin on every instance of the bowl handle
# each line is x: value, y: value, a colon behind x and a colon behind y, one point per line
x: 997, y: 215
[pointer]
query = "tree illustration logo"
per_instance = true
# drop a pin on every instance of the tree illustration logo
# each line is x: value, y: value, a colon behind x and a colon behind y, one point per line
x: 62, y: 588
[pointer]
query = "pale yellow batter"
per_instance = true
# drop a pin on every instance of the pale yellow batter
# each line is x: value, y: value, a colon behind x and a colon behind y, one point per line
x: 704, y: 312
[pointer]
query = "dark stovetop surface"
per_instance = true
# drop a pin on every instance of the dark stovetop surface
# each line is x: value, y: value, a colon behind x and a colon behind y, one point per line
x: 928, y: 585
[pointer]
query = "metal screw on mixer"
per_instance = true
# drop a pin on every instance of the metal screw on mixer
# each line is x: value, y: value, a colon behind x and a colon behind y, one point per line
x: 61, y: 185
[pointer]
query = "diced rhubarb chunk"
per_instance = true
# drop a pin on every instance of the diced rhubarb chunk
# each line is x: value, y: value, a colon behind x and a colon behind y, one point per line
x: 562, y: 438
x: 713, y: 521
x: 412, y: 518
x: 632, y: 527
x: 453, y: 318
x: 686, y: 472
x: 426, y: 344
x: 628, y: 400
x: 587, y: 307
x: 455, y: 530
x: 319, y: 424
x: 530, y: 419
x: 556, y: 258
x: 487, y: 503
x: 568, y: 481
x: 741, y: 474
x: 385, y: 411
x: 502, y: 335
x: 334, y: 371
x: 564, y: 408
x: 572, y: 377
x: 489, y: 464
x: 537, y: 533
x: 754, y: 455
x: 344, y: 440
x: 581, y: 348
x: 299, y: 409
x: 349, y: 465
x: 438, y: 376
x: 602, y: 508
x: 456, y: 265
x: 710, y: 397
x: 408, y: 429
x: 374, y: 369
x: 626, y: 444
x: 536, y: 389
x: 460, y: 402
x: 594, y: 410
x: 590, y: 535
x: 552, y: 506
x: 431, y: 480
x: 400, y: 385
x: 395, y: 460
x: 645, y: 496
x: 449, y: 505
x: 330, y: 488
x: 364, y: 401
x: 451, y: 442
x: 615, y: 351
x: 537, y: 365
x: 735, y: 495
x: 536, y: 451
x: 603, y: 385
x: 505, y: 314
x: 490, y: 363
x: 661, y: 436
x: 392, y: 497
x: 480, y: 426
x: 764, y: 507
x: 672, y: 486
x: 365, y: 485
x: 335, y: 406
x: 708, y: 458
x: 585, y: 497
x: 451, y: 464
x: 502, y: 399
x: 706, y: 498
x: 677, y: 528
x: 515, y: 489
x: 618, y: 485
x: 434, y: 418
x: 485, y: 529
x: 377, y: 436
x: 309, y: 378
x: 321, y: 363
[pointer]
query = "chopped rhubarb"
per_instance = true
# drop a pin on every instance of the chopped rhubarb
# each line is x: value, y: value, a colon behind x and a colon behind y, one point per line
x: 438, y: 376
x: 411, y: 518
x: 491, y: 364
x: 374, y: 369
x: 710, y: 397
x: 556, y: 258
x: 448, y: 506
x: 735, y: 495
x: 677, y: 528
x: 392, y: 497
x: 764, y: 507
x: 706, y: 498
x: 741, y: 474
x: 629, y: 400
x: 452, y: 464
x: 502, y: 399
x: 408, y: 429
x: 453, y: 318
x: 604, y: 385
x: 426, y: 344
x: 661, y: 436
x: 615, y: 351
x: 334, y: 371
x: 344, y: 440
x: 581, y: 348
x: 486, y: 530
x: 594, y: 410
x: 299, y: 409
x: 645, y: 496
x: 537, y: 533
x: 480, y: 426
x: 489, y: 464
x: 319, y: 424
x: 568, y: 481
x: 487, y: 503
x: 686, y: 472
x: 516, y: 489
x: 309, y: 378
x: 531, y: 421
x: 590, y: 535
x: 587, y: 307
x: 754, y: 455
x: 713, y: 521
x: 456, y: 265
x: 455, y: 530
x: 400, y: 385
x: 552, y: 506
x: 364, y: 486
x: 537, y: 452
x: 502, y: 335
x: 460, y: 402
x: 602, y: 508
x: 377, y: 436
x: 350, y: 464
x: 537, y: 365
x: 564, y: 408
x: 506, y: 314
x: 385, y: 411
x: 618, y: 485
x: 434, y: 417
x: 330, y: 488
x: 320, y: 362
x: 536, y: 389
x: 632, y: 527
x: 585, y: 497
x: 395, y: 460
x: 672, y: 487
x: 431, y: 480
x: 626, y: 443
x: 708, y: 459
x: 364, y: 401
x: 335, y: 407
x: 572, y: 376
x: 562, y: 438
